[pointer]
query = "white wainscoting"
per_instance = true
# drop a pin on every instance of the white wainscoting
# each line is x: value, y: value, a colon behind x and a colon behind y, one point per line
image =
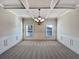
x: 70, y: 42
x: 8, y: 42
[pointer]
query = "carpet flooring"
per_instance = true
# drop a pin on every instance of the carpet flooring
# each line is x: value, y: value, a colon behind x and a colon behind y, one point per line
x: 39, y: 50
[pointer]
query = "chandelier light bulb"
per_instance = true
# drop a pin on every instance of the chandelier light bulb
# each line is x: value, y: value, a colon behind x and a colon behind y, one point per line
x: 42, y: 20
x: 39, y: 18
x: 36, y: 20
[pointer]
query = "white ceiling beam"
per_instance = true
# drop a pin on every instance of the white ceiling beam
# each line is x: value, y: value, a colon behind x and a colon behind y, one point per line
x: 1, y: 5
x: 67, y: 11
x: 26, y: 5
x: 52, y: 5
x: 12, y: 12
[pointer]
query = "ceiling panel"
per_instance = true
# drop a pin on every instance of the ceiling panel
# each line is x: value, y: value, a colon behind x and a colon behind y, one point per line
x: 69, y: 2
x: 7, y: 2
x: 39, y: 3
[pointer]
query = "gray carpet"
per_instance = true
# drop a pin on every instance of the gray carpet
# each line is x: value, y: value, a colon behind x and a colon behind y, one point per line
x: 39, y: 50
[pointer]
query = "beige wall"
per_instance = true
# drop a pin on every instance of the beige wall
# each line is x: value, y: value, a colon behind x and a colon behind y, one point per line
x: 39, y: 30
x: 68, y: 30
x: 69, y: 23
x: 10, y: 24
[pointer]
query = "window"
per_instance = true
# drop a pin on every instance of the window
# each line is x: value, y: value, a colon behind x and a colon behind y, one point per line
x: 49, y: 30
x: 29, y: 30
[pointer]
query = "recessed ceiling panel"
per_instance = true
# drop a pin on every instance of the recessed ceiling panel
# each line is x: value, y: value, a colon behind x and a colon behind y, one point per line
x: 74, y: 2
x: 9, y: 2
x: 39, y: 3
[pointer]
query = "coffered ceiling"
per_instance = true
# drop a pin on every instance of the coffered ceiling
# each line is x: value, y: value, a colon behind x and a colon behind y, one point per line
x: 29, y: 8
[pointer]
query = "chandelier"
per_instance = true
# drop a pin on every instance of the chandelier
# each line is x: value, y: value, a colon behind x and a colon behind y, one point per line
x: 39, y: 20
